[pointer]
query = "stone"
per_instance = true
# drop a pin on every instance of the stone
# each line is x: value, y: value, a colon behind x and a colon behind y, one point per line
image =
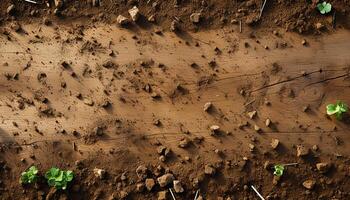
x: 252, y: 114
x: 174, y: 26
x: 59, y: 3
x: 275, y: 143
x: 209, y: 170
x: 11, y: 9
x: 95, y: 3
x: 165, y: 180
x: 195, y: 17
x: 319, y: 26
x: 214, y: 129
x: 140, y: 187
x: 309, y: 184
x: 100, y: 173
x: 134, y: 13
x: 178, y: 187
x: 162, y: 195
x: 185, y: 142
x: 121, y: 20
x: 302, y: 151
x: 207, y: 106
x: 323, y: 167
x: 257, y: 128
x: 152, y: 19
x: 141, y: 171
x: 268, y: 123
x: 150, y: 183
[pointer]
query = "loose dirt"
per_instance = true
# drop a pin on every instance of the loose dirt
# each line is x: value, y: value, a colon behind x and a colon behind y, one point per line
x: 135, y: 111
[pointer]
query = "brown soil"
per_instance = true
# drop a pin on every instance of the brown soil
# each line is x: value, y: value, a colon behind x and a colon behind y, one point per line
x: 83, y: 94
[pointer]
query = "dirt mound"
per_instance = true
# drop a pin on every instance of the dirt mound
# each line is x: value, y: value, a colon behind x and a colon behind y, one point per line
x: 300, y: 16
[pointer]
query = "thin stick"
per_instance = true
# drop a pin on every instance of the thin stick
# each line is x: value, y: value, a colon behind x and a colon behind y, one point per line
x: 334, y: 19
x: 196, y: 196
x: 256, y: 191
x: 172, y: 194
x: 290, y: 164
x: 30, y: 1
x: 240, y: 26
x: 262, y: 9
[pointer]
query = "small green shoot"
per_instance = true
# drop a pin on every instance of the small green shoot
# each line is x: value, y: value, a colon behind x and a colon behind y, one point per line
x: 337, y: 109
x: 29, y: 176
x: 278, y: 170
x: 324, y: 7
x: 59, y: 178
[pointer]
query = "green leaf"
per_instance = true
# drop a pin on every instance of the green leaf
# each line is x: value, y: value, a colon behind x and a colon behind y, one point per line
x: 278, y: 170
x: 59, y: 178
x: 331, y: 109
x: 29, y: 176
x: 324, y: 7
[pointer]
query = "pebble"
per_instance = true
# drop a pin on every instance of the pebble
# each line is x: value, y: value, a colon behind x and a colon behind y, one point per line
x: 165, y: 180
x: 100, y: 173
x: 134, y: 13
x: 195, y: 17
x: 323, y: 167
x: 214, y: 129
x: 209, y: 170
x: 150, y: 183
x: 302, y: 151
x: 11, y: 9
x: 207, y: 106
x: 162, y: 195
x: 309, y: 184
x: 252, y: 114
x: 178, y: 187
x: 141, y: 171
x: 185, y: 142
x: 275, y: 143
x: 121, y: 20
x: 257, y: 128
x: 268, y: 122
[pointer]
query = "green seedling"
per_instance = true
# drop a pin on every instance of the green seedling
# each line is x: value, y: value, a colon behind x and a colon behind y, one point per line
x: 29, y: 176
x: 337, y: 109
x: 324, y: 7
x: 279, y: 169
x: 58, y: 178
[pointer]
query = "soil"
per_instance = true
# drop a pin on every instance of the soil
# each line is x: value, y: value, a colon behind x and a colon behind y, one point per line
x: 209, y: 108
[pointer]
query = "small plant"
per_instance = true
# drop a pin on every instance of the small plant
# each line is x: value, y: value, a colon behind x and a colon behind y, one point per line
x: 278, y: 170
x: 337, y: 109
x: 59, y: 178
x: 324, y: 7
x: 29, y: 176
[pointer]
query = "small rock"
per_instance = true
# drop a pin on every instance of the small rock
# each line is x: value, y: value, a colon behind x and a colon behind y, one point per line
x: 195, y: 17
x: 306, y: 108
x: 178, y: 187
x: 268, y: 122
x: 323, y: 167
x: 150, y: 183
x: 151, y: 19
x: 174, y: 26
x: 88, y: 102
x: 257, y: 128
x: 95, y: 3
x: 275, y: 143
x: 11, y: 9
x: 302, y: 151
x: 165, y: 179
x: 134, y: 13
x: 59, y: 3
x: 214, y: 129
x: 162, y: 195
x: 209, y: 170
x: 100, y: 173
x: 252, y: 114
x: 140, y: 187
x: 319, y: 26
x: 121, y: 20
x: 309, y: 184
x: 304, y: 42
x: 141, y: 171
x: 207, y: 106
x: 185, y: 142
